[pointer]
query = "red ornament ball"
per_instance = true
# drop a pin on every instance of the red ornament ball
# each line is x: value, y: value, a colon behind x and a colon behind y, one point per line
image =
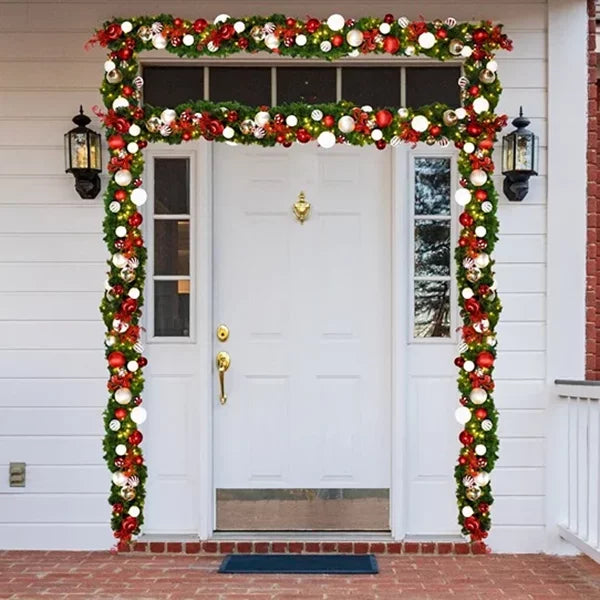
x: 127, y: 90
x: 391, y: 45
x: 137, y: 400
x: 459, y: 361
x: 381, y: 144
x: 117, y: 508
x: 120, y: 413
x: 116, y: 142
x: 435, y: 130
x: 120, y: 195
x: 480, y: 36
x: 441, y: 34
x: 135, y: 439
x: 474, y: 90
x: 337, y: 40
x: 466, y: 438
x: 117, y: 289
x: 177, y: 22
x: 142, y: 361
x: 129, y: 306
x: 465, y: 219
x: 290, y: 22
x: 483, y: 508
x: 474, y: 129
x: 383, y: 118
x: 243, y: 43
x: 481, y: 413
x: 329, y: 120
x: 116, y: 360
x: 485, y: 359
x: 135, y: 220
x: 138, y: 460
x: 486, y: 144
x: 125, y: 53
x: 389, y: 18
x: 462, y: 460
x: 312, y: 25
x: 142, y: 143
x: 200, y: 25
x: 471, y: 305
x: 481, y: 195
x: 303, y: 136
x: 484, y: 289
x: 129, y: 524
x: 186, y: 135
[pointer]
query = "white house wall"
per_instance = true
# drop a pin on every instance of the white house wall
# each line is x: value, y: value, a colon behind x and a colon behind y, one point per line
x: 52, y: 372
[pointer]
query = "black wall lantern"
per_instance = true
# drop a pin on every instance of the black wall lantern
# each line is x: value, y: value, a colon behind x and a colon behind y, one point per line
x: 83, y: 156
x: 519, y: 159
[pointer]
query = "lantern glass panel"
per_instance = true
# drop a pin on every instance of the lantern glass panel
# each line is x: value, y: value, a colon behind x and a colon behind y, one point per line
x: 508, y: 154
x: 79, y: 150
x: 95, y: 151
x: 524, y: 152
x: 67, y: 151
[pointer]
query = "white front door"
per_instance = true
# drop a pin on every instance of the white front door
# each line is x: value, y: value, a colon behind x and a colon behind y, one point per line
x: 309, y: 313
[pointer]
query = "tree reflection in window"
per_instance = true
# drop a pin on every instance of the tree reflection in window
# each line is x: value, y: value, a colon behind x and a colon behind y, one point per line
x: 431, y: 298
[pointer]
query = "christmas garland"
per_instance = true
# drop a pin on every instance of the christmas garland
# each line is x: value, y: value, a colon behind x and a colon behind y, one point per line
x: 472, y: 128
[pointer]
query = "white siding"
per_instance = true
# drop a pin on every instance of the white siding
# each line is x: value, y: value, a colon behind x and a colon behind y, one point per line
x: 52, y: 386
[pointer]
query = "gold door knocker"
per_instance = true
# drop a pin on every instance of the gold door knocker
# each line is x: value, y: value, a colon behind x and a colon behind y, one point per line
x: 301, y: 208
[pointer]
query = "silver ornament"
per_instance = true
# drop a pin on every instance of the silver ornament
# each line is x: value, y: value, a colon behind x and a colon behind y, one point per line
x: 325, y: 46
x: 487, y: 206
x: 114, y: 206
x: 316, y: 115
x: 127, y: 275
x: 486, y: 425
x: 114, y: 425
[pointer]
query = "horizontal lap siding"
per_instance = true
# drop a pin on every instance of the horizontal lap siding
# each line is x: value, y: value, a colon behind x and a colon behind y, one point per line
x: 52, y: 386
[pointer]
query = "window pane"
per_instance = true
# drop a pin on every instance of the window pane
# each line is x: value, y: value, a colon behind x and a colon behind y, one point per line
x: 425, y: 85
x: 432, y: 309
x: 171, y: 247
x: 170, y: 86
x: 312, y: 85
x: 171, y: 186
x: 240, y: 84
x: 432, y: 248
x: 374, y: 86
x: 432, y: 186
x: 172, y: 308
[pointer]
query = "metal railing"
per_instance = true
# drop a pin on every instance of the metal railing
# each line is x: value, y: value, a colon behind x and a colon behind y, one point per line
x: 580, y: 425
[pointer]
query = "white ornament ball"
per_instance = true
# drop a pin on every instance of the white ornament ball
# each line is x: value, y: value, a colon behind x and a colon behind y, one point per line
x: 487, y: 206
x: 325, y: 46
x: 482, y: 260
x: 114, y: 206
x: 326, y: 139
x: 134, y: 293
x: 135, y: 130
x: 126, y: 26
x: 228, y: 132
x: 482, y: 478
x: 221, y: 18
x: 466, y: 52
x: 301, y: 40
x: 427, y: 40
x: 291, y: 120
x: 486, y: 425
x: 419, y: 123
x: 159, y: 41
x: 134, y: 511
x: 355, y: 38
x: 366, y: 108
x: 119, y: 478
x: 467, y: 511
x: 469, y: 366
x: 121, y: 450
x: 478, y: 396
x: 110, y: 340
x: 462, y: 196
x: 481, y: 105
x: 492, y: 66
x: 188, y: 39
x: 168, y: 115
x: 272, y: 41
x: 114, y: 425
x: 139, y: 196
x: 138, y: 415
x: 316, y: 115
x: 404, y: 22
x: 336, y: 22
x: 120, y: 102
x: 478, y: 177
x: 467, y: 293
x: 462, y: 414
x: 385, y: 28
x: 121, y: 231
x: 469, y: 147
x: 461, y: 113
x: 480, y: 450
x: 239, y: 26
x: 346, y: 124
x: 403, y: 113
x: 409, y: 50
x: 262, y: 118
x: 119, y: 260
x: 123, y: 177
x: 132, y: 366
x: 480, y: 231
x: 109, y: 66
x: 123, y: 395
x: 132, y: 147
x: 376, y: 134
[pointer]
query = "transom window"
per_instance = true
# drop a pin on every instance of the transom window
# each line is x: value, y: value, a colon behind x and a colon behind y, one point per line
x: 255, y: 86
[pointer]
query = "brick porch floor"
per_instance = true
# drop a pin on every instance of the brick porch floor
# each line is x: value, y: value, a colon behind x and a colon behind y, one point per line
x: 102, y: 576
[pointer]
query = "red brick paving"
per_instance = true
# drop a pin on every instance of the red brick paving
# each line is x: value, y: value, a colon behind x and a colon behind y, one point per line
x: 104, y: 576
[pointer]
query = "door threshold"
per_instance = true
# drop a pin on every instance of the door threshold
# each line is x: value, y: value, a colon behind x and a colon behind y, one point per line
x: 292, y: 536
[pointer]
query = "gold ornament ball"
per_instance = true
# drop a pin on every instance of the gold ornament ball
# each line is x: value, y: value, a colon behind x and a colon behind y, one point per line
x: 450, y: 118
x: 487, y: 76
x: 472, y: 493
x: 128, y: 493
x: 115, y: 76
x: 455, y: 47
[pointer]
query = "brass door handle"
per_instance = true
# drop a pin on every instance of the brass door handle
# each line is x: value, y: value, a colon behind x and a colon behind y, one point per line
x: 223, y: 362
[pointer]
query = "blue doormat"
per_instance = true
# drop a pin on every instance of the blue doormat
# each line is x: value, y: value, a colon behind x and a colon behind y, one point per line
x: 346, y: 564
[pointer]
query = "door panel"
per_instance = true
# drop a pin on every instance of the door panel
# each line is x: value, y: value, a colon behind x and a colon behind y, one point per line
x: 308, y: 307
